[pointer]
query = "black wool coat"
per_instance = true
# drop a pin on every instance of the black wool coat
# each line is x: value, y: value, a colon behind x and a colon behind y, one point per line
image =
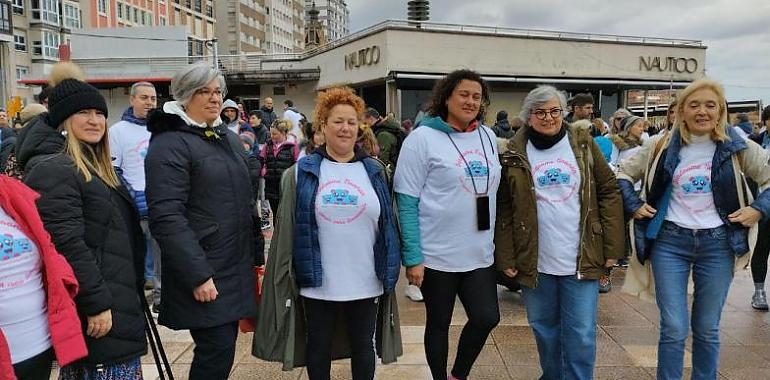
x: 201, y: 212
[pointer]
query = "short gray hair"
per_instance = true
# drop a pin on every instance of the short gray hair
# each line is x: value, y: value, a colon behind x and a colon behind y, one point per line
x: 192, y: 78
x: 539, y: 96
x: 140, y: 84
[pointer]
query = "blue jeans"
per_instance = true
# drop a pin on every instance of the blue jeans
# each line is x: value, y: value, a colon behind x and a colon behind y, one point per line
x: 562, y: 313
x: 152, y: 269
x: 707, y: 253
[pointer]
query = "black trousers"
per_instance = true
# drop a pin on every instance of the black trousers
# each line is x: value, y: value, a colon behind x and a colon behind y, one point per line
x: 35, y: 368
x: 214, y: 352
x: 361, y: 321
x: 761, y: 253
x: 477, y: 290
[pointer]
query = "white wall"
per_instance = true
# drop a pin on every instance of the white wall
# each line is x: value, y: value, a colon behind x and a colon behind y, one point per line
x: 156, y: 41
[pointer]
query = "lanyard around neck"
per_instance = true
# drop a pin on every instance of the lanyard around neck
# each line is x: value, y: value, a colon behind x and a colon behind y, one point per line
x: 467, y: 166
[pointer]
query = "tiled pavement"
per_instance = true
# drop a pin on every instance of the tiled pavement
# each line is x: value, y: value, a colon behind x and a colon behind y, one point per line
x: 626, y: 342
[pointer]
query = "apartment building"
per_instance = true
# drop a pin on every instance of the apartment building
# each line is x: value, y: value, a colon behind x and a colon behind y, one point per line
x: 285, y: 26
x: 241, y: 26
x: 333, y: 14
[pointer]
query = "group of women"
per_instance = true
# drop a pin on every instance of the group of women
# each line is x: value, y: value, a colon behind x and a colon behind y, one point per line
x: 547, y: 210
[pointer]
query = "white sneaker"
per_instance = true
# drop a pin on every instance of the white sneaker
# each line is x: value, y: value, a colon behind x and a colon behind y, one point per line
x: 413, y: 293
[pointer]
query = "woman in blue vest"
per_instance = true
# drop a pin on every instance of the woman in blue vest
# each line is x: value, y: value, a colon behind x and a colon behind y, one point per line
x: 344, y: 248
x: 693, y: 218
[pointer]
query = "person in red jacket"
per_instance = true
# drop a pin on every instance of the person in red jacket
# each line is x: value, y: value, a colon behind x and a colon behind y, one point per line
x: 38, y: 318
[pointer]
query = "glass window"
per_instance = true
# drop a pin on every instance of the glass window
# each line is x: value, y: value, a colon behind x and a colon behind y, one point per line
x: 18, y: 7
x: 101, y: 6
x: 120, y: 10
x: 71, y: 16
x: 22, y: 72
x: 46, y: 11
x: 20, y: 40
x: 5, y: 18
x: 50, y: 44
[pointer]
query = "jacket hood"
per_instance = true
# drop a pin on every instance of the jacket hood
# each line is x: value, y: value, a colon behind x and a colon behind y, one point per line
x: 36, y: 139
x: 388, y: 125
x: 504, y: 125
x: 159, y: 121
x: 437, y: 123
x: 128, y: 115
x: 30, y: 112
x: 229, y: 103
x: 746, y: 126
x: 624, y: 143
x: 175, y: 108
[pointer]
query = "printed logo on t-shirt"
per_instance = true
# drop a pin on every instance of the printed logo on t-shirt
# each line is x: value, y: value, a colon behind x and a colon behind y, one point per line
x: 11, y: 247
x: 556, y: 180
x: 340, y: 201
x: 694, y: 185
x: 476, y: 171
x: 141, y: 148
x: 15, y: 252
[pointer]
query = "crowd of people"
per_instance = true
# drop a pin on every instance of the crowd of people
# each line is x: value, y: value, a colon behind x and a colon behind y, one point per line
x: 548, y: 202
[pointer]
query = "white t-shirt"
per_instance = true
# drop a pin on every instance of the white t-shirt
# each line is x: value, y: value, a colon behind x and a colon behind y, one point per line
x: 347, y: 211
x: 557, y: 181
x: 23, y: 315
x: 431, y: 169
x: 128, y: 147
x: 692, y: 201
x: 296, y: 129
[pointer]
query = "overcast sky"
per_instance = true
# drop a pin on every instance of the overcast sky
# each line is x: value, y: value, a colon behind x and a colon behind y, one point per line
x: 737, y: 32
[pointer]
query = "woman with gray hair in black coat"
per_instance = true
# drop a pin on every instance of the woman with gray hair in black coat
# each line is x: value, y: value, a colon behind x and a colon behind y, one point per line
x: 201, y: 209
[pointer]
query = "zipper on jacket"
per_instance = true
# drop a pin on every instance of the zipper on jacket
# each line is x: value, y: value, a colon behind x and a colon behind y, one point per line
x: 583, y: 189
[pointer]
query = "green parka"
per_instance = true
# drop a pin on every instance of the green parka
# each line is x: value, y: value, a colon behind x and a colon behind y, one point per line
x: 280, y: 333
x: 601, y: 210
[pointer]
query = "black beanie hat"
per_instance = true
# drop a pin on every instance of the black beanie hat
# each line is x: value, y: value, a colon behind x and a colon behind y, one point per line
x: 70, y: 96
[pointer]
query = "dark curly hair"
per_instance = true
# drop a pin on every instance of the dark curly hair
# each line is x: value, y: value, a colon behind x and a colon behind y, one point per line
x: 443, y: 90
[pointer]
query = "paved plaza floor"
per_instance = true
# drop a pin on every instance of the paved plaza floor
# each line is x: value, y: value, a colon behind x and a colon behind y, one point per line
x: 627, y: 335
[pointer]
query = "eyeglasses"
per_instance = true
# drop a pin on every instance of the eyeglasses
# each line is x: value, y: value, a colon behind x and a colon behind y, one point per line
x: 208, y: 93
x: 541, y: 114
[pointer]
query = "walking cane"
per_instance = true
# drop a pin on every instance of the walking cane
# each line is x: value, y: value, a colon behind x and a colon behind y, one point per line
x: 155, y: 344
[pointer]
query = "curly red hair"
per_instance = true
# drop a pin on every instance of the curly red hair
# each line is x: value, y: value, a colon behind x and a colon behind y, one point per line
x: 327, y: 99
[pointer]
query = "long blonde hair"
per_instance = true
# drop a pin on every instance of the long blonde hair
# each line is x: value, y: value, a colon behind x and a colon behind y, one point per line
x: 720, y: 131
x: 91, y: 159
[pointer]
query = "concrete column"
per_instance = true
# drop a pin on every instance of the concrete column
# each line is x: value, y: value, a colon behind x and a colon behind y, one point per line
x: 391, y: 98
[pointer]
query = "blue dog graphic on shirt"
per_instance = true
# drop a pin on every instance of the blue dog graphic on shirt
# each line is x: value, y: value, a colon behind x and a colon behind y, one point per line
x: 10, y: 247
x: 553, y: 177
x: 340, y: 197
x: 476, y: 169
x: 697, y: 185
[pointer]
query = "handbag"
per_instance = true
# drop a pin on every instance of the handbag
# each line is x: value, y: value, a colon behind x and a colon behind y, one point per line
x: 249, y: 324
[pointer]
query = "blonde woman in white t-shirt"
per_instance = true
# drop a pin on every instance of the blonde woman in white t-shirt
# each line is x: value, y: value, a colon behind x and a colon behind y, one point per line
x: 690, y: 220
x: 446, y: 183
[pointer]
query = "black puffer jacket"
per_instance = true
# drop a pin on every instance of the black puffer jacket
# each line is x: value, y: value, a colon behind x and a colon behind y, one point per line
x: 8, y: 136
x: 97, y: 229
x: 202, y: 214
x: 38, y: 138
x: 275, y: 165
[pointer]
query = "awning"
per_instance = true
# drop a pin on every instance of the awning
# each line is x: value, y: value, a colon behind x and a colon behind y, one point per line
x: 578, y: 81
x: 116, y: 80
